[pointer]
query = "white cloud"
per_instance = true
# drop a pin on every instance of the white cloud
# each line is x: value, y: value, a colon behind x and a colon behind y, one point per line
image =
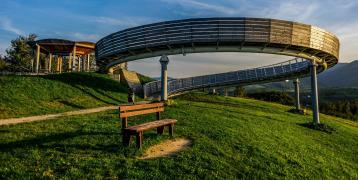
x: 6, y: 24
x: 297, y: 11
x: 85, y: 37
x: 225, y: 10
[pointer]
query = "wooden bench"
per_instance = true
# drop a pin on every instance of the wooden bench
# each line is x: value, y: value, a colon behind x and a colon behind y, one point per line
x: 137, y: 130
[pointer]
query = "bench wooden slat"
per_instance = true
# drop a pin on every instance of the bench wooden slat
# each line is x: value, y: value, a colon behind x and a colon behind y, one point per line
x: 139, y: 106
x: 150, y: 125
x: 146, y: 111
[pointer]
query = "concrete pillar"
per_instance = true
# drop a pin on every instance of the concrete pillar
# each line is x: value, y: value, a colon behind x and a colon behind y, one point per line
x: 164, y: 60
x: 88, y: 62
x: 314, y: 95
x: 296, y: 83
x: 226, y: 93
x: 50, y: 63
x: 37, y: 58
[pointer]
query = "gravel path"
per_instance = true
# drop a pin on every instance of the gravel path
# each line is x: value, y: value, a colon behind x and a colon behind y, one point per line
x: 52, y: 116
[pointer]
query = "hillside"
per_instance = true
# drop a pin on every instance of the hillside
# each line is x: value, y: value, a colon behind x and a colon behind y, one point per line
x: 232, y: 138
x: 342, y: 75
x: 33, y: 95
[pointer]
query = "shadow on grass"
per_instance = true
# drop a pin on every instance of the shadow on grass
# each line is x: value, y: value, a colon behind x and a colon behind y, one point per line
x: 320, y: 127
x: 55, y: 141
x: 85, y: 81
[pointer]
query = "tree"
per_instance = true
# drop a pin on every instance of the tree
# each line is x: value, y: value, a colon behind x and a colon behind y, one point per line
x: 2, y: 63
x: 20, y: 54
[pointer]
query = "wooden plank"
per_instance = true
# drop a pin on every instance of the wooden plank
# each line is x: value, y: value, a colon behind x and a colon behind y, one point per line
x: 146, y: 111
x: 151, y: 125
x: 139, y: 106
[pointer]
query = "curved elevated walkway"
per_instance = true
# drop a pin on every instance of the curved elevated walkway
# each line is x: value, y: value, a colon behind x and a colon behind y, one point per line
x: 256, y: 35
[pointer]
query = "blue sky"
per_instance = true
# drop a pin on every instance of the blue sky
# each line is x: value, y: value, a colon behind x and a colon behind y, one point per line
x: 92, y: 19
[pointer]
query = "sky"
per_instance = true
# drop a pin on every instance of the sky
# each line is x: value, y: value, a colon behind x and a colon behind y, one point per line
x: 90, y: 20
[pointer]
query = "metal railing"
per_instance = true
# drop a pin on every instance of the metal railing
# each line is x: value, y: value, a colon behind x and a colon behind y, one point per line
x: 268, y: 73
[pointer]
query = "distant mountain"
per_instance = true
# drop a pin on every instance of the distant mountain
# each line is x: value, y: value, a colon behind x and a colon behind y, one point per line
x: 342, y: 75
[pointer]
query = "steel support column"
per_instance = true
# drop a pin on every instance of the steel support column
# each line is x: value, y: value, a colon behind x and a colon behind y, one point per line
x: 296, y: 83
x: 164, y: 60
x: 314, y: 94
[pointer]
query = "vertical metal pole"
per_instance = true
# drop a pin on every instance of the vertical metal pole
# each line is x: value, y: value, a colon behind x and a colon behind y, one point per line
x: 164, y: 60
x: 297, y: 93
x: 37, y: 58
x: 314, y: 90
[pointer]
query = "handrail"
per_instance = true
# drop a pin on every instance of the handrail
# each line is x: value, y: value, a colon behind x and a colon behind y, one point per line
x: 269, y: 73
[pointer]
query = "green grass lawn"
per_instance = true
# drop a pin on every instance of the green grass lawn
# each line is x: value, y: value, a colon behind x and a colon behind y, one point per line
x: 36, y: 95
x: 232, y: 138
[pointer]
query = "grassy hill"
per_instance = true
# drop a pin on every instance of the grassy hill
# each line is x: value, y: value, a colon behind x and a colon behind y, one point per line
x: 33, y: 95
x: 232, y: 138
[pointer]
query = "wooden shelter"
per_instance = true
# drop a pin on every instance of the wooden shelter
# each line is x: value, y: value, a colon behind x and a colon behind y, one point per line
x: 77, y: 54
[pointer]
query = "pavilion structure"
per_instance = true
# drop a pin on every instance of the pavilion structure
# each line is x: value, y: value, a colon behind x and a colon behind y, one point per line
x: 62, y: 55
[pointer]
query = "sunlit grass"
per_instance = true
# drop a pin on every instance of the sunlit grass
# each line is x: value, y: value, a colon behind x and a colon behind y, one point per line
x: 232, y: 138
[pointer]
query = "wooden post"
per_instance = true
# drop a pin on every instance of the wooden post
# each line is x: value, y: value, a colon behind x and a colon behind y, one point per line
x: 88, y: 62
x: 79, y: 64
x: 57, y: 64
x: 60, y: 64
x: 50, y: 63
x: 74, y: 54
x: 70, y: 62
x: 171, y: 127
x: 160, y: 130
x: 37, y: 58
x: 124, y: 123
x: 158, y: 115
x: 139, y: 139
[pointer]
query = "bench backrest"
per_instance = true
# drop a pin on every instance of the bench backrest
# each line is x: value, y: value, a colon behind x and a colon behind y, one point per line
x: 126, y: 111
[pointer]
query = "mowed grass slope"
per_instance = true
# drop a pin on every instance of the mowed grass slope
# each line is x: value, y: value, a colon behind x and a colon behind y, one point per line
x: 232, y: 138
x: 36, y: 95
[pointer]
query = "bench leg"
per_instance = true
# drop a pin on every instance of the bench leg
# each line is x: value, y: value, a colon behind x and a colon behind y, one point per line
x: 160, y: 130
x: 171, y: 127
x: 139, y: 139
x: 126, y: 138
